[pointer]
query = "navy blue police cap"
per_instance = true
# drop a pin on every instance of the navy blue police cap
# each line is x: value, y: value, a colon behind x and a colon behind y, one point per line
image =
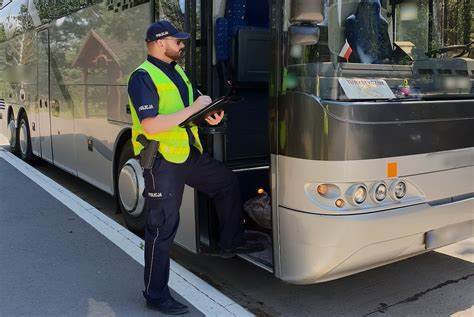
x: 161, y: 29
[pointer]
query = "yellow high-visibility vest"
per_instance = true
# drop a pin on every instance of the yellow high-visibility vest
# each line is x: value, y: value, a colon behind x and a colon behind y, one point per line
x: 174, y: 143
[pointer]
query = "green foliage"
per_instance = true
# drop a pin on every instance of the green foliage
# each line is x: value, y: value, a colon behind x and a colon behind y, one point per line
x: 3, y: 36
x: 171, y: 10
x: 458, y: 22
x: 51, y: 9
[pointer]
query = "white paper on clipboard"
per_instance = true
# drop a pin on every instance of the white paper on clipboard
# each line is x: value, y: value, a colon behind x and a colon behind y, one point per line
x: 361, y: 88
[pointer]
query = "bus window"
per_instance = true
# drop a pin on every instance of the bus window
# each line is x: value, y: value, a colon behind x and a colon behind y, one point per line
x: 19, y: 20
x: 52, y: 9
x: 412, y: 27
x: 173, y: 11
x: 3, y: 17
x: 4, y: 3
x: 419, y: 48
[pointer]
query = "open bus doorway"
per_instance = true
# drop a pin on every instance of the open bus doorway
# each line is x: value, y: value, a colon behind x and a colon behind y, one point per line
x: 241, y: 42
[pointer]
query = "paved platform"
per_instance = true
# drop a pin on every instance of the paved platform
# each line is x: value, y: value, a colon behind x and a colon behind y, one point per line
x: 61, y: 257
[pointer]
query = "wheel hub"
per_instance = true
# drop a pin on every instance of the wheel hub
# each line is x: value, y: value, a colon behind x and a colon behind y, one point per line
x: 23, y: 138
x: 131, y: 185
x: 12, y: 133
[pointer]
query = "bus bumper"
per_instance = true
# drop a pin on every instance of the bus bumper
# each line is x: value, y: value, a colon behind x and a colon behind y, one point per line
x: 317, y: 248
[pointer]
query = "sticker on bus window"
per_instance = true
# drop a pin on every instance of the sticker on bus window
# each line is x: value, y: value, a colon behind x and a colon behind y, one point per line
x: 360, y: 88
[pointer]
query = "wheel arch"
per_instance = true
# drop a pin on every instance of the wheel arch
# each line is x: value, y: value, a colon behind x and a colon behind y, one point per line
x: 21, y: 113
x: 10, y: 114
x: 124, y: 136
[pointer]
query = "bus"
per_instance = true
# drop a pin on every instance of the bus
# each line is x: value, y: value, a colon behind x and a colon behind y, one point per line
x: 352, y: 139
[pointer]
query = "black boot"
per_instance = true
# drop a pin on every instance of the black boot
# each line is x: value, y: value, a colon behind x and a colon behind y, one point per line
x: 169, y: 307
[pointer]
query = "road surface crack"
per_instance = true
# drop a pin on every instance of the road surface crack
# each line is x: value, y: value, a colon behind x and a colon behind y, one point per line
x: 383, y: 307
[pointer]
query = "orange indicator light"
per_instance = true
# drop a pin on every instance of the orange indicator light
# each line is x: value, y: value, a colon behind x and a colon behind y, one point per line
x: 260, y: 191
x: 340, y: 203
x: 322, y: 189
x: 392, y: 169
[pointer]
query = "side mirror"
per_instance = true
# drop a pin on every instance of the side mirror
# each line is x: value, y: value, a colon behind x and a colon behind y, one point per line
x: 309, y: 11
x: 303, y: 35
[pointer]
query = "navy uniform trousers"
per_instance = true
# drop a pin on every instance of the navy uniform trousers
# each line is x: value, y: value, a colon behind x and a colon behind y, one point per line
x: 164, y: 186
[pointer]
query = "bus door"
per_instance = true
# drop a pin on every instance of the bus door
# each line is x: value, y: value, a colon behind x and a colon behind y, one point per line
x: 44, y: 112
x: 240, y: 56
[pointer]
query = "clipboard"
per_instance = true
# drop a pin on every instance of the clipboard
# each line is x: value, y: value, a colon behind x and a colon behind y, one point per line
x: 214, y: 107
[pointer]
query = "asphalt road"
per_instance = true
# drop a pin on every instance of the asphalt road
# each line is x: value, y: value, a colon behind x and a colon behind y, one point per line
x: 433, y: 284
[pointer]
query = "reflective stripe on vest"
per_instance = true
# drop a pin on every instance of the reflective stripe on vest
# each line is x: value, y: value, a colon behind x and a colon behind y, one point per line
x: 173, y: 143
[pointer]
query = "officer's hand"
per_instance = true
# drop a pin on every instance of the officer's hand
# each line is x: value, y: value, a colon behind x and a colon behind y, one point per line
x: 215, y: 118
x: 200, y: 103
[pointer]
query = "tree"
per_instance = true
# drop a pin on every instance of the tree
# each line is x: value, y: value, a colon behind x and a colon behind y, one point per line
x: 458, y: 20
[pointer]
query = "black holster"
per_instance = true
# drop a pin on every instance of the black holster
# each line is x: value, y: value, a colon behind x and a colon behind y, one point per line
x: 149, y: 152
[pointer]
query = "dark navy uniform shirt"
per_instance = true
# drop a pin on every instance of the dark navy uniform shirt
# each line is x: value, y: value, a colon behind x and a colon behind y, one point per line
x: 142, y: 90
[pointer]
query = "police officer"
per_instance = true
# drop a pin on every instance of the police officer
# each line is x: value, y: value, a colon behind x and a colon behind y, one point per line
x: 161, y: 97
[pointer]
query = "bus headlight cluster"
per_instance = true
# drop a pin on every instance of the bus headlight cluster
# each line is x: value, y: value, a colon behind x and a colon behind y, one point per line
x: 357, y: 194
x: 379, y: 192
x: 398, y: 190
x: 360, y: 197
x: 328, y: 190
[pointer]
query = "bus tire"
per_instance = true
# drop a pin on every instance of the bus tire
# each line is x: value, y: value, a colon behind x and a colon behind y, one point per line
x: 12, y: 135
x: 130, y: 186
x: 24, y: 139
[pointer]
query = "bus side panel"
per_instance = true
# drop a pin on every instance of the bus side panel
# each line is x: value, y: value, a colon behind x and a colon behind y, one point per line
x: 18, y: 78
x: 186, y: 235
x: 31, y: 91
x: 3, y: 84
x: 91, y: 69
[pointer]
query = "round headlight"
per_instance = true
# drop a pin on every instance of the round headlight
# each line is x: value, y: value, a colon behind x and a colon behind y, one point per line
x: 400, y: 189
x: 359, y: 195
x: 380, y: 192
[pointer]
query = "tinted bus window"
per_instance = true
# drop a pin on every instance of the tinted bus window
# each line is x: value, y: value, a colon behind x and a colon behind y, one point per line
x: 4, y: 3
x: 173, y: 11
x: 19, y: 19
x: 3, y: 16
x: 54, y: 9
x: 419, y: 48
x: 14, y: 19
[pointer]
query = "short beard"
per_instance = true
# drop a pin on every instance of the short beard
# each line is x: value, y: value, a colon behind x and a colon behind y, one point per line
x: 173, y: 55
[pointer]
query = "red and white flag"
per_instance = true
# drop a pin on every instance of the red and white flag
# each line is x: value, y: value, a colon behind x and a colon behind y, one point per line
x: 346, y: 51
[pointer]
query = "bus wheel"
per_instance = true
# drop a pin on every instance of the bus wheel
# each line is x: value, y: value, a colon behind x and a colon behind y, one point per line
x: 24, y: 140
x: 130, y: 186
x: 12, y: 135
